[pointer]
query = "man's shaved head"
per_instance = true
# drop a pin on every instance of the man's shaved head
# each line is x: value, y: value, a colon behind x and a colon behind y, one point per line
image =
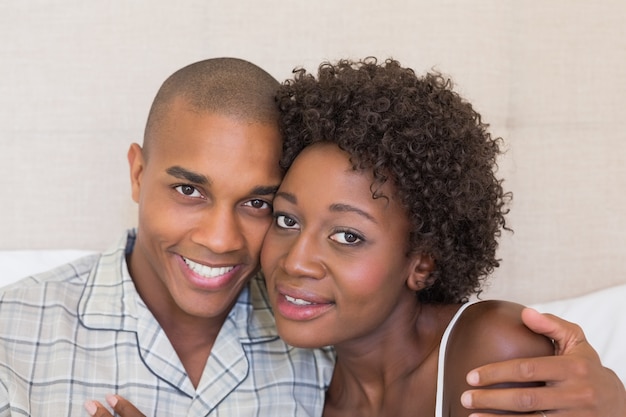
x: 228, y: 86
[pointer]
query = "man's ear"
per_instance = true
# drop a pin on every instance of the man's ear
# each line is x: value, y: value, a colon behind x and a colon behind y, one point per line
x: 421, y: 268
x: 137, y: 165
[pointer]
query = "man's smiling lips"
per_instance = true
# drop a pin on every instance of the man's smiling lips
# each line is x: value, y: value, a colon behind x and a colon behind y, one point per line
x: 207, y: 278
x: 207, y: 271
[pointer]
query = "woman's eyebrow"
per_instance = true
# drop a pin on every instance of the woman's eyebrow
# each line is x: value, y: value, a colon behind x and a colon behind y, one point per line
x: 338, y: 207
x: 348, y: 208
x: 287, y: 196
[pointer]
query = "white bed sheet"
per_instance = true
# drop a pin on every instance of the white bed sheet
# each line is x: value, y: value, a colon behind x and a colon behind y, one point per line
x: 602, y: 314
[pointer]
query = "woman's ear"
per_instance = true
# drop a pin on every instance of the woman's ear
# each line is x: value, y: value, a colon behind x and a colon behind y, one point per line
x: 421, y: 268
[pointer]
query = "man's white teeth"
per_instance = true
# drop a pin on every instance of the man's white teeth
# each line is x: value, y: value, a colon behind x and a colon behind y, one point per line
x: 207, y: 271
x: 297, y: 301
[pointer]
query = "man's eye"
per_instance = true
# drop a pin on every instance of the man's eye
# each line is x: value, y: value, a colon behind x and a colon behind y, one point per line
x: 258, y: 204
x: 346, y: 238
x: 286, y: 222
x: 188, y: 190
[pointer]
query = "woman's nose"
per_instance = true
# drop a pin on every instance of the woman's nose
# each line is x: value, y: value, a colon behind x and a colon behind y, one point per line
x: 304, y: 257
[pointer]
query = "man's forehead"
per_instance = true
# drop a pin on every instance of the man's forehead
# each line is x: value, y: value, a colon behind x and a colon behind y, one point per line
x: 184, y: 125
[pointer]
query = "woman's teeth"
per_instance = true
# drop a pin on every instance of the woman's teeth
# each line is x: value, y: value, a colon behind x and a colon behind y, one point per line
x: 297, y: 301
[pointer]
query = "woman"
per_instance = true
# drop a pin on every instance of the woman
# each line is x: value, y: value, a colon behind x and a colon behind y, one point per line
x: 385, y: 224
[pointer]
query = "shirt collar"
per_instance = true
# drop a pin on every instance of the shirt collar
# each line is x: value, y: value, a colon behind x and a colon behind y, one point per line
x: 110, y: 299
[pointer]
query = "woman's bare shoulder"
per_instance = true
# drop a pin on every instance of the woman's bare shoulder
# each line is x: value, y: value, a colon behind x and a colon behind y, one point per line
x: 492, y: 330
x: 486, y: 332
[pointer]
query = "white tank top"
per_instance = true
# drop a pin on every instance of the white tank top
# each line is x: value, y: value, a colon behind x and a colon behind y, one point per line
x: 442, y: 358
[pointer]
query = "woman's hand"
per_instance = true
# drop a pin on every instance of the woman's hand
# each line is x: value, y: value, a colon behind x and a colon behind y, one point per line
x: 121, y: 406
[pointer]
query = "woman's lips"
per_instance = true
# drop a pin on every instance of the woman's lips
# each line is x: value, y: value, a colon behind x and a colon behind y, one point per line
x: 298, y: 306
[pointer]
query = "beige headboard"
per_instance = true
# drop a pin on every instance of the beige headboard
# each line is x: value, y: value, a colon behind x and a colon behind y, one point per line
x: 77, y: 79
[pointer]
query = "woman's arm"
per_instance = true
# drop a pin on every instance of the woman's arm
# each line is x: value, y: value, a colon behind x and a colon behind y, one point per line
x: 576, y: 382
x: 487, y: 332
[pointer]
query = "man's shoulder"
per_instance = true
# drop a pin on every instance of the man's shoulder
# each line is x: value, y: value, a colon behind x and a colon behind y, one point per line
x: 43, y: 300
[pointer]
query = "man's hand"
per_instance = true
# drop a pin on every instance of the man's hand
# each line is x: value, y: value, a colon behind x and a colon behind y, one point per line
x: 120, y: 405
x: 577, y: 384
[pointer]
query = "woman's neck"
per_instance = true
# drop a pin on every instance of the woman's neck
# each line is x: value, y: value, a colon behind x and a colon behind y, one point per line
x: 392, y: 369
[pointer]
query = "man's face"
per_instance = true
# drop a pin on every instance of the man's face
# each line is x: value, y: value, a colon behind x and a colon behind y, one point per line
x: 205, y: 192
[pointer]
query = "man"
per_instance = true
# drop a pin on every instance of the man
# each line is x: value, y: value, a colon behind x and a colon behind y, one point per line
x: 175, y: 319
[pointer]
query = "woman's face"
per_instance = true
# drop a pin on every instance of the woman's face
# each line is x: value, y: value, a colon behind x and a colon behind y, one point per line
x: 335, y: 259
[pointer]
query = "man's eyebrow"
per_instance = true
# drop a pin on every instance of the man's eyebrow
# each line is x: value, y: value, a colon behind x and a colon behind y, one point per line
x: 265, y: 190
x: 349, y: 208
x: 194, y: 177
x: 185, y: 174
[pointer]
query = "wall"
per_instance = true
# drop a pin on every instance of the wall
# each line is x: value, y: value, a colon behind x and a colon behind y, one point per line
x: 77, y: 79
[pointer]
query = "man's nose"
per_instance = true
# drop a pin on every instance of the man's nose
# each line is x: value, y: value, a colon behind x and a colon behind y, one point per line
x: 219, y: 230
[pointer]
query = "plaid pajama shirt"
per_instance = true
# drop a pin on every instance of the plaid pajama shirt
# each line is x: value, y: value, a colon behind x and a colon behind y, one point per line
x: 81, y: 331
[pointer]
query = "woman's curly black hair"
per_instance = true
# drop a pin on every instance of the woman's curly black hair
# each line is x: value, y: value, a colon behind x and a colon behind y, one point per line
x: 420, y: 134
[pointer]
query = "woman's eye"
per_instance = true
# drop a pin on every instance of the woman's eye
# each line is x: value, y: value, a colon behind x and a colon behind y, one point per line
x: 346, y: 238
x: 286, y: 222
x: 188, y: 190
x: 258, y: 204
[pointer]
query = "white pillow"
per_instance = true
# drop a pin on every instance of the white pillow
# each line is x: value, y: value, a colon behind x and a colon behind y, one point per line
x: 16, y: 264
x: 602, y: 315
